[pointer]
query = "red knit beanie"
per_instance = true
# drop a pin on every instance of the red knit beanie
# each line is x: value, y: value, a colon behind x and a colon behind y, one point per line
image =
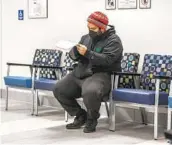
x: 99, y: 19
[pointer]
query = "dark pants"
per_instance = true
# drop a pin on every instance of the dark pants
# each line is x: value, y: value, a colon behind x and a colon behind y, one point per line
x: 92, y: 89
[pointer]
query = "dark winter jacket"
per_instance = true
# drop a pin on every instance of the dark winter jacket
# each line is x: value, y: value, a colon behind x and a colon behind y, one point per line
x: 102, y: 54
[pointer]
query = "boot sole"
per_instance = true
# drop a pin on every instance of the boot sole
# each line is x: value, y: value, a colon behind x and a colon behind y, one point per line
x: 75, y: 127
x: 89, y: 131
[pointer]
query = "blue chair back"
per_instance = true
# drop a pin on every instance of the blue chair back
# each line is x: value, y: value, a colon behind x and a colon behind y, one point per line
x: 156, y: 65
x: 47, y: 57
x: 68, y: 62
x: 129, y: 63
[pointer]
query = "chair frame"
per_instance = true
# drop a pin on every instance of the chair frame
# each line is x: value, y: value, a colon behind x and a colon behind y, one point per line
x: 32, y: 71
x: 155, y: 107
x: 169, y: 109
x: 36, y: 96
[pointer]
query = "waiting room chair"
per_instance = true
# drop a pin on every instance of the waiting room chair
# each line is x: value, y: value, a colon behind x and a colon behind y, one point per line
x: 48, y: 71
x: 154, y: 87
x: 19, y: 82
x: 22, y: 82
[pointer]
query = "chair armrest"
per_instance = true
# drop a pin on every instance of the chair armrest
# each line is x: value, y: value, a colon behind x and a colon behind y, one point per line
x: 126, y: 74
x: 18, y: 64
x: 53, y: 67
x: 163, y: 77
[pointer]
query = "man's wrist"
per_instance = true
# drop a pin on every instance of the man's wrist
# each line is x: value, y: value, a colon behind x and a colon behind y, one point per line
x: 88, y: 54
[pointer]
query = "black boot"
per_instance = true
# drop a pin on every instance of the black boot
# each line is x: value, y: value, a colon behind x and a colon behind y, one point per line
x: 91, y: 122
x: 90, y: 126
x: 79, y: 120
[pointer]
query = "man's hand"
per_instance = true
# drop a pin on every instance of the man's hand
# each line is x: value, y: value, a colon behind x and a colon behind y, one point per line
x: 82, y: 49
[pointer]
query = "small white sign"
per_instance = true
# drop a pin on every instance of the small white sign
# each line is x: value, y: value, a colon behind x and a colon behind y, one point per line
x: 127, y: 4
x: 37, y: 9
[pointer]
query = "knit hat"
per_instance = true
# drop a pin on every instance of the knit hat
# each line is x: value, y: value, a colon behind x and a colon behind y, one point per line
x: 99, y: 19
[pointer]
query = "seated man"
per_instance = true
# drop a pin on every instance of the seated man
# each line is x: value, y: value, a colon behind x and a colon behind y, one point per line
x: 97, y: 54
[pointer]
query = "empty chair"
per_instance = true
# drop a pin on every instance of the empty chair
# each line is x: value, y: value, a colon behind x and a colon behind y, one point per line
x: 19, y: 82
x: 39, y: 60
x: 154, y: 87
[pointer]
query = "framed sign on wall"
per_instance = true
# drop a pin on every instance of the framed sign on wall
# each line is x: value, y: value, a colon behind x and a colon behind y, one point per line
x: 145, y: 4
x: 37, y: 9
x: 127, y: 4
x: 110, y: 4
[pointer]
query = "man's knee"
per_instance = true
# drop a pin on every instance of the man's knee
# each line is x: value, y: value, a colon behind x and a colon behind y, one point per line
x: 56, y: 90
x: 66, y: 88
x: 91, y: 93
x: 92, y: 98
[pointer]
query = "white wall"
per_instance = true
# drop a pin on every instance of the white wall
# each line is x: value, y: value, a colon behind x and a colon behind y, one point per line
x: 0, y: 45
x: 142, y: 31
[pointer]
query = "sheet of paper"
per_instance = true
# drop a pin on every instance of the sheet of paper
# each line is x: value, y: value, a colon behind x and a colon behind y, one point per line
x: 65, y: 45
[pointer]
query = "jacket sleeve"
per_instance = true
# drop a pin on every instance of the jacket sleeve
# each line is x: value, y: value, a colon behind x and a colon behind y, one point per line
x: 110, y: 54
x: 74, y: 54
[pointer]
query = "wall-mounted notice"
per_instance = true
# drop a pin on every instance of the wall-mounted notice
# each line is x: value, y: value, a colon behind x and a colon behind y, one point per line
x: 37, y: 9
x: 127, y: 4
x: 110, y: 4
x: 145, y: 4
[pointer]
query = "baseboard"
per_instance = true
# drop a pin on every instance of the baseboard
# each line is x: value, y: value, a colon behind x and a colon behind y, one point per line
x: 122, y: 113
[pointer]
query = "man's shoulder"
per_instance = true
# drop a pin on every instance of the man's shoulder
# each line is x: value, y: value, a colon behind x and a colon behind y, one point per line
x: 114, y: 38
x: 85, y: 39
x: 86, y: 36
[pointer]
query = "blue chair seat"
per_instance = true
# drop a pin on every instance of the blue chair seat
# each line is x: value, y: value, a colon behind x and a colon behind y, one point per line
x: 18, y: 81
x: 139, y: 96
x: 45, y: 84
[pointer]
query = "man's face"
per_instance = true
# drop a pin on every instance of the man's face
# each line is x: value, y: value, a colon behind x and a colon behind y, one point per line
x: 93, y: 27
x: 94, y: 31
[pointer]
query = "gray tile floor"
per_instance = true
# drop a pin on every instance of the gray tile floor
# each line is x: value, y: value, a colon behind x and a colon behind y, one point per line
x: 19, y: 127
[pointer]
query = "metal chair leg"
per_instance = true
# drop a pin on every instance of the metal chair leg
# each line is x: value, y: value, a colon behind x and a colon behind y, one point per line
x: 39, y: 102
x: 112, y: 104
x: 107, y: 109
x: 66, y: 116
x: 1, y: 93
x: 6, y: 107
x: 169, y: 119
x: 169, y: 109
x: 143, y: 115
x: 36, y: 107
x: 33, y: 102
x: 156, y: 123
x: 142, y: 110
x: 32, y: 71
x: 156, y: 110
